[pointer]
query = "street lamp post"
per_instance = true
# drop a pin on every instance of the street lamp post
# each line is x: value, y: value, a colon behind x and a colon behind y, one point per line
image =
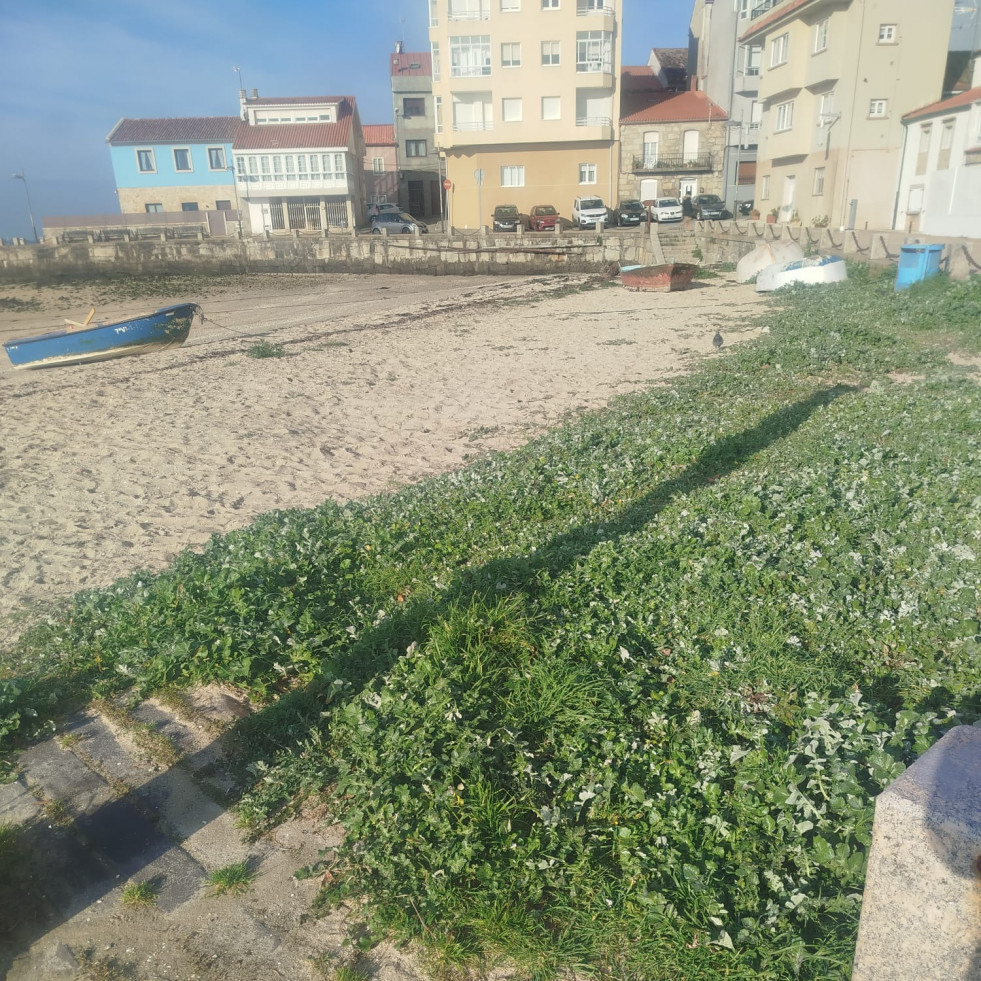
x: 30, y: 210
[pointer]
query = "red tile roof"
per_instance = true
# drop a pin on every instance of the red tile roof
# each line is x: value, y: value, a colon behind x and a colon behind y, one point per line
x: 682, y: 107
x: 411, y: 63
x: 296, y: 136
x: 779, y: 12
x: 183, y: 129
x: 945, y: 105
x: 378, y: 134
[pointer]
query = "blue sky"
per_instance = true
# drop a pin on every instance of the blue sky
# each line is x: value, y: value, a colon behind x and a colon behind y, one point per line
x: 72, y: 68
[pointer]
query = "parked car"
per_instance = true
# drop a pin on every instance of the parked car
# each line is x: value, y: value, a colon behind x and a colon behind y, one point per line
x: 746, y: 207
x: 506, y: 218
x: 397, y: 221
x: 709, y: 207
x: 542, y: 218
x: 381, y: 207
x: 586, y: 212
x: 629, y: 213
x: 666, y: 209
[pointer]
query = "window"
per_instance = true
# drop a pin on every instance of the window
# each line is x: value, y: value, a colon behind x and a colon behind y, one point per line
x: 438, y: 105
x: 778, y: 50
x: 877, y: 109
x: 153, y: 209
x: 223, y: 205
x: 434, y: 50
x: 470, y: 56
x: 550, y: 52
x: 511, y: 55
x: 145, y: 162
x: 594, y: 51
x: 818, y: 189
x: 415, y: 148
x: 743, y: 7
x: 469, y: 9
x: 513, y: 176
x: 551, y: 107
x: 946, y: 141
x: 764, y: 187
x: 550, y: 4
x: 378, y: 165
x: 413, y: 107
x: 651, y: 141
x: 887, y: 34
x: 216, y: 158
x: 189, y: 206
x: 689, y: 146
x: 784, y: 117
x: 511, y: 110
x: 923, y: 152
x: 509, y: 6
x: 182, y: 160
x: 754, y: 58
x: 821, y: 36
x: 826, y: 107
x: 587, y: 173
x: 915, y: 203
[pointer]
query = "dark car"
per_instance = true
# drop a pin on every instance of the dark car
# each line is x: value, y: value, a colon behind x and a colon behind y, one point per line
x: 397, y: 221
x: 709, y: 207
x: 746, y: 207
x: 542, y: 218
x: 629, y: 213
x: 506, y: 218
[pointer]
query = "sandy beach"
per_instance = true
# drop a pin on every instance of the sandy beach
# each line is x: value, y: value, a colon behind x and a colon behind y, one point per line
x: 109, y: 468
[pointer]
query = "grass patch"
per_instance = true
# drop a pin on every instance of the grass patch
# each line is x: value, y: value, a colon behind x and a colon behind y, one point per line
x: 265, y: 349
x: 140, y: 895
x: 619, y: 701
x: 232, y: 880
x: 13, y: 304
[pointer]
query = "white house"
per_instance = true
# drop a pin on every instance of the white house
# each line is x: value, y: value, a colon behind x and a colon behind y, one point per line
x: 940, y: 179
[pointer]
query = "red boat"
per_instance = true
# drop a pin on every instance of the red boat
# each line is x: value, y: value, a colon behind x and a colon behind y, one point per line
x: 666, y: 278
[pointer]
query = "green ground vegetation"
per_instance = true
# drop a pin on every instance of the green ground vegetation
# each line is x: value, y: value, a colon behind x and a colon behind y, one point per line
x: 617, y: 703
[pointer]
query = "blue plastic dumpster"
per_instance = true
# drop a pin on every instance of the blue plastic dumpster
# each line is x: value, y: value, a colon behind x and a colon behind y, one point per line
x: 917, y: 262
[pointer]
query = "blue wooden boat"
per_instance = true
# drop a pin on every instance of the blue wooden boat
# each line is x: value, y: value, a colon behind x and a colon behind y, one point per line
x: 80, y: 343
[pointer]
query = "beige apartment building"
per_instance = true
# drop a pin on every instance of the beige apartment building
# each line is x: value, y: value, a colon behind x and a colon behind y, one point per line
x: 526, y: 95
x: 836, y: 78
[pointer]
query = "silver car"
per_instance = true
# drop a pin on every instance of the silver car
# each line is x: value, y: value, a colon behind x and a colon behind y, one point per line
x: 397, y: 222
x: 667, y: 209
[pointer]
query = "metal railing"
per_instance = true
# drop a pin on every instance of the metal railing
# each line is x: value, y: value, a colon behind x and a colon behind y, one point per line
x: 594, y: 66
x: 594, y: 121
x: 668, y: 164
x: 584, y: 9
x: 473, y: 127
x: 762, y: 7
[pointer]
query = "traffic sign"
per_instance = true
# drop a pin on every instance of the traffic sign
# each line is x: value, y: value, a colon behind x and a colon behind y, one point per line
x: 447, y: 184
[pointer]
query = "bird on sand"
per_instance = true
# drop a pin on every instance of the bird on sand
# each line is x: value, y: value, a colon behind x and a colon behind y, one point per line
x: 717, y: 341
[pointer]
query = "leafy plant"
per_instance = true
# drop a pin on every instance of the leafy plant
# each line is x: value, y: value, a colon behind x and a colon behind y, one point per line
x: 265, y: 349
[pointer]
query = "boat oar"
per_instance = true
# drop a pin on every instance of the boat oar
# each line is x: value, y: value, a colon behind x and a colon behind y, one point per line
x: 72, y: 324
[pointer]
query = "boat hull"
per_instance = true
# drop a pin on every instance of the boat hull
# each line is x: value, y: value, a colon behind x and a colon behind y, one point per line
x: 167, y: 327
x: 665, y: 278
x: 812, y: 269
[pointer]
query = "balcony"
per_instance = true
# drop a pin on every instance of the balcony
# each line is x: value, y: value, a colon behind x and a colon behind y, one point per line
x: 680, y: 163
x: 584, y: 8
x: 473, y: 126
x: 282, y: 183
x: 762, y: 7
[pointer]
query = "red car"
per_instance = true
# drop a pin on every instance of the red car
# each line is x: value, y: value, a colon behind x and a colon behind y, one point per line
x: 543, y: 218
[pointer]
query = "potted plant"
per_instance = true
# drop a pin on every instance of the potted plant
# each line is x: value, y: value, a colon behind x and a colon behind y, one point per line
x: 755, y: 214
x: 772, y: 216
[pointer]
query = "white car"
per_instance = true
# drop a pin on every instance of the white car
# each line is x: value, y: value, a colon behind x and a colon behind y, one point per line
x: 667, y: 209
x: 586, y: 212
x: 381, y: 208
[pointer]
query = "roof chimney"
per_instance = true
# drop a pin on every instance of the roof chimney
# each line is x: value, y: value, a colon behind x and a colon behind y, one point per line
x: 255, y: 94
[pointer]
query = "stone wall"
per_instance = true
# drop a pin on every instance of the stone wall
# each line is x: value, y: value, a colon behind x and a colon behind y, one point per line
x: 458, y: 254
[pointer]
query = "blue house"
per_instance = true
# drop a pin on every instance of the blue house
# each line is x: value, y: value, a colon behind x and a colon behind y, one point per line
x: 170, y: 165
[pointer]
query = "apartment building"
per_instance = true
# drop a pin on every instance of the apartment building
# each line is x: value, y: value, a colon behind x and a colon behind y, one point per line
x: 836, y: 78
x: 526, y: 95
x: 298, y: 162
x: 420, y: 190
x: 380, y: 163
x: 729, y: 73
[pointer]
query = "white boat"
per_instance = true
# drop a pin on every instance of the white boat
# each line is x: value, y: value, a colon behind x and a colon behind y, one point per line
x: 812, y: 269
x: 766, y: 254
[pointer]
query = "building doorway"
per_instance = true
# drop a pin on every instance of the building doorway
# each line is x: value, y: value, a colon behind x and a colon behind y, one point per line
x: 417, y: 198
